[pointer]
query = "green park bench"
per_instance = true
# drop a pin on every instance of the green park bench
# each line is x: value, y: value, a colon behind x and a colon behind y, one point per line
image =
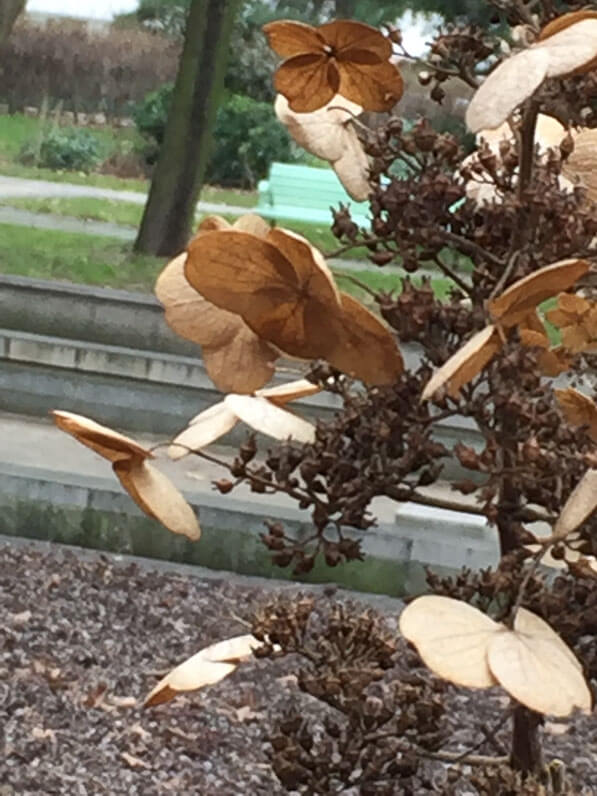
x: 304, y: 193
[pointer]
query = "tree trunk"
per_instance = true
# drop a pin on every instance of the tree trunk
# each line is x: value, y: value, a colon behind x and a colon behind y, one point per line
x: 9, y: 11
x: 176, y: 184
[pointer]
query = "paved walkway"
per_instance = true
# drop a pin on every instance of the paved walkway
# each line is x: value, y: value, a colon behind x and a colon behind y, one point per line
x: 17, y: 187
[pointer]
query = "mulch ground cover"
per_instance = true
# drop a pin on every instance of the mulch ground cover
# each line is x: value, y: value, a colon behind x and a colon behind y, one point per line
x: 84, y: 639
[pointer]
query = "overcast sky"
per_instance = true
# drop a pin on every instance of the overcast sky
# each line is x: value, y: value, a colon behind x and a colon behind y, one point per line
x: 414, y: 34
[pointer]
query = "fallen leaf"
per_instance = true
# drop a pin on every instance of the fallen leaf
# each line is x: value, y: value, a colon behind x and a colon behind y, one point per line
x: 41, y: 734
x: 465, y: 364
x: 206, y: 667
x: 514, y: 304
x: 134, y: 762
x: 263, y: 416
x: 534, y: 666
x: 340, y: 57
x: 452, y: 638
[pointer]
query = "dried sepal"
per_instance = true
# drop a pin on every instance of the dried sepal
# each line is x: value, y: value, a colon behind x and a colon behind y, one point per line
x: 581, y: 165
x: 565, y: 48
x: 204, y: 429
x: 533, y: 665
x: 452, y: 638
x: 266, y: 417
x: 515, y: 303
x: 341, y: 57
x: 465, y: 364
x: 157, y: 496
x: 103, y: 440
x: 236, y: 359
x: 277, y: 286
x: 530, y: 661
x: 576, y: 317
x: 285, y: 292
x: 206, y: 667
x: 579, y: 409
x: 579, y: 507
x: 282, y: 394
x: 364, y: 348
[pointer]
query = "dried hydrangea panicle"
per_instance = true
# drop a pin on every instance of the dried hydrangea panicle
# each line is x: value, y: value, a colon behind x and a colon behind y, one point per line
x: 340, y: 57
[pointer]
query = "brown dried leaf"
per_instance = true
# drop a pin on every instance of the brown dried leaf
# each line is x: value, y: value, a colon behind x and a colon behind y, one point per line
x: 235, y: 358
x: 579, y: 507
x: 279, y: 287
x: 157, y: 496
x: 203, y: 429
x: 264, y: 416
x: 579, y: 409
x: 465, y: 364
x: 101, y: 439
x: 341, y: 57
x: 533, y: 665
x: 206, y: 667
x: 519, y: 299
x: 452, y: 638
x: 365, y: 348
x: 134, y: 762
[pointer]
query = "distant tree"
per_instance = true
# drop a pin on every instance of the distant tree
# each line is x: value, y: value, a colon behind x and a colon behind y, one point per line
x: 9, y: 11
x: 176, y: 183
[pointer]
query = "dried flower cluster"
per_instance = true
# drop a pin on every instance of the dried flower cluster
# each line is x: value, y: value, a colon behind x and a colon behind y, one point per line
x: 510, y: 346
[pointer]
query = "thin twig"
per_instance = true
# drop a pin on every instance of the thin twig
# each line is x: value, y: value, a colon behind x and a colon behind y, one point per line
x: 357, y: 282
x: 453, y: 275
x: 470, y: 247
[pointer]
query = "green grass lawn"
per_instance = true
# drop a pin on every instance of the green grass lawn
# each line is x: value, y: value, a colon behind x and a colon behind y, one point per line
x: 129, y: 214
x: 86, y: 259
x: 93, y: 260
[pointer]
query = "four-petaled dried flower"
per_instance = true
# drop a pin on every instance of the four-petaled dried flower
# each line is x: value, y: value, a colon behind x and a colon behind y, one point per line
x: 340, y: 57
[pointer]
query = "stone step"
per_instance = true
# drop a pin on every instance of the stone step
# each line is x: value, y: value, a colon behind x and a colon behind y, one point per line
x: 52, y: 488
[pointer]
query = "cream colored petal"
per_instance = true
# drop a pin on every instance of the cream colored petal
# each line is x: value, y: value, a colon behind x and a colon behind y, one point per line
x: 507, y: 87
x: 571, y: 48
x: 452, y: 638
x: 103, y: 440
x: 263, y: 416
x: 533, y: 665
x: 284, y: 393
x: 579, y: 506
x: 157, y: 496
x: 352, y: 169
x: 206, y: 667
x: 204, y: 428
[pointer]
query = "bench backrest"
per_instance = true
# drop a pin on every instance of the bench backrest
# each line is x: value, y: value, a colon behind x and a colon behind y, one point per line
x: 308, y: 187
